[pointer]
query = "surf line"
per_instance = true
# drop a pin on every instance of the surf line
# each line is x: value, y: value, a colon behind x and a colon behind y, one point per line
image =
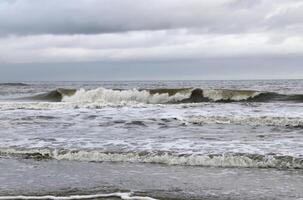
x: 123, y: 196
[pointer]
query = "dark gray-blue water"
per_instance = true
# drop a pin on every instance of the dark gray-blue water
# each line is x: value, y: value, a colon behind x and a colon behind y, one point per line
x: 152, y: 139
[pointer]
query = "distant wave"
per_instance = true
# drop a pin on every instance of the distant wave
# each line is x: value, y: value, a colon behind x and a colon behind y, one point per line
x: 242, y: 160
x: 13, y: 84
x: 163, y: 96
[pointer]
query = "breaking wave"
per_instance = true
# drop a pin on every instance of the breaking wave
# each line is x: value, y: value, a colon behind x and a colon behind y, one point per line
x: 103, y: 95
x: 163, y: 96
x: 242, y: 160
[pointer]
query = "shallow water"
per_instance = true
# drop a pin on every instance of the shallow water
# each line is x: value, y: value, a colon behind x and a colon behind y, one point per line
x: 159, y: 181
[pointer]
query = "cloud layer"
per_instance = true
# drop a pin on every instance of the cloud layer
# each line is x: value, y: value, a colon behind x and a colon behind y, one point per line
x: 108, y: 16
x: 136, y: 31
x: 151, y: 46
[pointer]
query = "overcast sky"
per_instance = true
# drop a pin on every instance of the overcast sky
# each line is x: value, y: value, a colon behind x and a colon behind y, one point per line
x: 150, y: 39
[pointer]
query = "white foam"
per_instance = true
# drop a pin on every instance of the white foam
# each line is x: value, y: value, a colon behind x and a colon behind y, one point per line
x: 234, y: 95
x: 124, y: 196
x: 215, y: 160
x: 246, y: 120
x: 191, y: 160
x: 35, y: 105
x: 102, y: 95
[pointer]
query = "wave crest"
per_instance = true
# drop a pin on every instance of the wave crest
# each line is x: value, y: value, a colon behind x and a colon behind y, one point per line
x: 159, y: 96
x: 103, y: 95
x: 230, y: 95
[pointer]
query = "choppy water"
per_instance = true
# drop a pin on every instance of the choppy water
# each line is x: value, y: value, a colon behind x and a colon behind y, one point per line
x: 246, y: 133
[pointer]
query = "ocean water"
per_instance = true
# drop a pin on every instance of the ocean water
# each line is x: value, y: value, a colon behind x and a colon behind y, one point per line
x: 152, y: 140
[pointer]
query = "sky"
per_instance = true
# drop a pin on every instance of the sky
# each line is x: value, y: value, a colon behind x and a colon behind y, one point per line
x: 150, y: 39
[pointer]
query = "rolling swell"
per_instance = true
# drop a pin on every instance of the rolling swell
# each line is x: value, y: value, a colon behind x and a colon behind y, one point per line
x: 226, y: 96
x: 271, y: 96
x: 55, y: 95
x: 164, y: 96
x: 242, y: 160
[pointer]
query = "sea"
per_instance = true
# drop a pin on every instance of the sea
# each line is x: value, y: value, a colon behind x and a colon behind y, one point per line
x: 147, y: 140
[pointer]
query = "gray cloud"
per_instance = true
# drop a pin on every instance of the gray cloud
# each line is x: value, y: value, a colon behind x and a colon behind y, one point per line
x: 107, y: 16
x: 144, y: 46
